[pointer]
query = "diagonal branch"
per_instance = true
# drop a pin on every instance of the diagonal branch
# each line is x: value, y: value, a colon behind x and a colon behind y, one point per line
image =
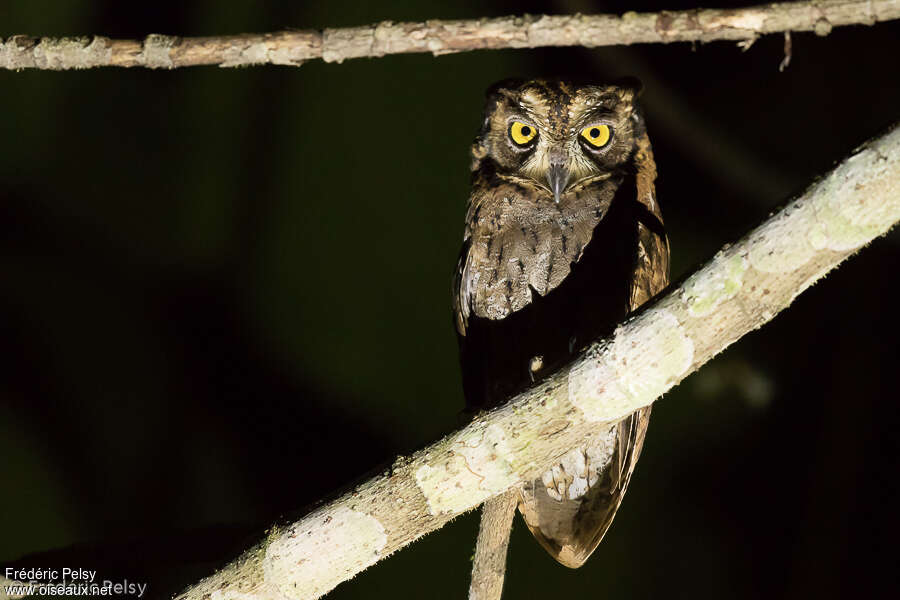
x: 744, y: 286
x: 442, y: 37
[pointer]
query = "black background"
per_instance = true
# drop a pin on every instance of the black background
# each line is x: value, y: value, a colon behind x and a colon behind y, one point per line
x: 225, y: 294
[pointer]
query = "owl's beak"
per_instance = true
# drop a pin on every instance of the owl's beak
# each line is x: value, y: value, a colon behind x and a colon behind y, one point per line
x: 557, y: 177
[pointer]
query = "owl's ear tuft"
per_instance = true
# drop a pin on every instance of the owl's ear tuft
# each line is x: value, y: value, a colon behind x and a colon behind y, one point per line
x: 478, y: 153
x: 632, y: 85
x: 499, y: 92
x: 506, y: 89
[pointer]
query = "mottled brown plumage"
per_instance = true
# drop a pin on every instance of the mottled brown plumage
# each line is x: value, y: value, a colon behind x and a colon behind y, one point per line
x: 563, y: 239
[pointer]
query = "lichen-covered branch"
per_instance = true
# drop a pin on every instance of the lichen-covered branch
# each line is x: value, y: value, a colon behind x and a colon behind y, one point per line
x: 442, y: 37
x: 11, y: 589
x: 741, y: 288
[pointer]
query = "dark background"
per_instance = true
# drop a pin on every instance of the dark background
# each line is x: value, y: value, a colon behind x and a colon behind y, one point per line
x: 225, y: 294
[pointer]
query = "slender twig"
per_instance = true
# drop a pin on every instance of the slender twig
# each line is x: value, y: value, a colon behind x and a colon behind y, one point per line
x: 788, y: 52
x: 489, y: 564
x: 442, y: 37
x: 744, y: 286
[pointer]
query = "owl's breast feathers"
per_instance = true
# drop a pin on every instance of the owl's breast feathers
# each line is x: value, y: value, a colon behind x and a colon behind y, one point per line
x: 518, y: 239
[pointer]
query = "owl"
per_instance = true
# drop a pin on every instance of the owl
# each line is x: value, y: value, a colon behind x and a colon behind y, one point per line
x: 563, y: 239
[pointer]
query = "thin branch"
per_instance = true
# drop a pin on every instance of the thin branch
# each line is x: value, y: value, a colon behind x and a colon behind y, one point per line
x: 443, y: 37
x: 489, y: 564
x: 744, y: 286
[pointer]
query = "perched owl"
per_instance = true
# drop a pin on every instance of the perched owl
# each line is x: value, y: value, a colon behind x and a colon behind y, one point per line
x: 563, y: 239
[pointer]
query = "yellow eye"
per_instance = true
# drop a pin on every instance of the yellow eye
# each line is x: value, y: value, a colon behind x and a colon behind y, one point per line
x: 596, y: 135
x: 521, y: 133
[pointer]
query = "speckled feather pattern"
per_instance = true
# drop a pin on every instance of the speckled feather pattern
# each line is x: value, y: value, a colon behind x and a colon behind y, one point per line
x: 520, y: 243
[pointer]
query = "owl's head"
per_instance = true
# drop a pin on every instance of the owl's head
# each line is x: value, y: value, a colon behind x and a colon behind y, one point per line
x: 557, y: 135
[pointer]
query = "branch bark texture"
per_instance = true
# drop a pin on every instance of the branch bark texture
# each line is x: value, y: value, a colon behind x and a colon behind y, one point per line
x: 489, y: 563
x: 442, y: 37
x: 744, y: 286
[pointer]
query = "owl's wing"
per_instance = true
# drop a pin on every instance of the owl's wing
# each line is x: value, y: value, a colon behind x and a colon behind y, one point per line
x: 460, y: 290
x: 516, y: 243
x: 571, y: 507
x: 651, y: 271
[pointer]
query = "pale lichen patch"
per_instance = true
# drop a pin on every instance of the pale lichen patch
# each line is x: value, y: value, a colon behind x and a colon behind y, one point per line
x: 477, y: 466
x: 156, y: 51
x: 252, y: 54
x: 775, y: 247
x: 5, y: 583
x: 301, y: 561
x: 703, y: 292
x: 836, y: 214
x: 634, y: 373
x: 351, y: 42
x: 844, y: 220
x: 72, y: 53
x: 10, y: 56
x: 286, y: 56
x: 753, y: 20
x: 232, y: 594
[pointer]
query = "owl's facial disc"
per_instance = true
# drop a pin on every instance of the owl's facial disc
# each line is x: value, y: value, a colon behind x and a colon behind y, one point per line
x: 558, y: 156
x: 556, y: 135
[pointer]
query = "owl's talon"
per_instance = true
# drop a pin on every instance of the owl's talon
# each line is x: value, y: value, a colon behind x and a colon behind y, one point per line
x: 536, y: 364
